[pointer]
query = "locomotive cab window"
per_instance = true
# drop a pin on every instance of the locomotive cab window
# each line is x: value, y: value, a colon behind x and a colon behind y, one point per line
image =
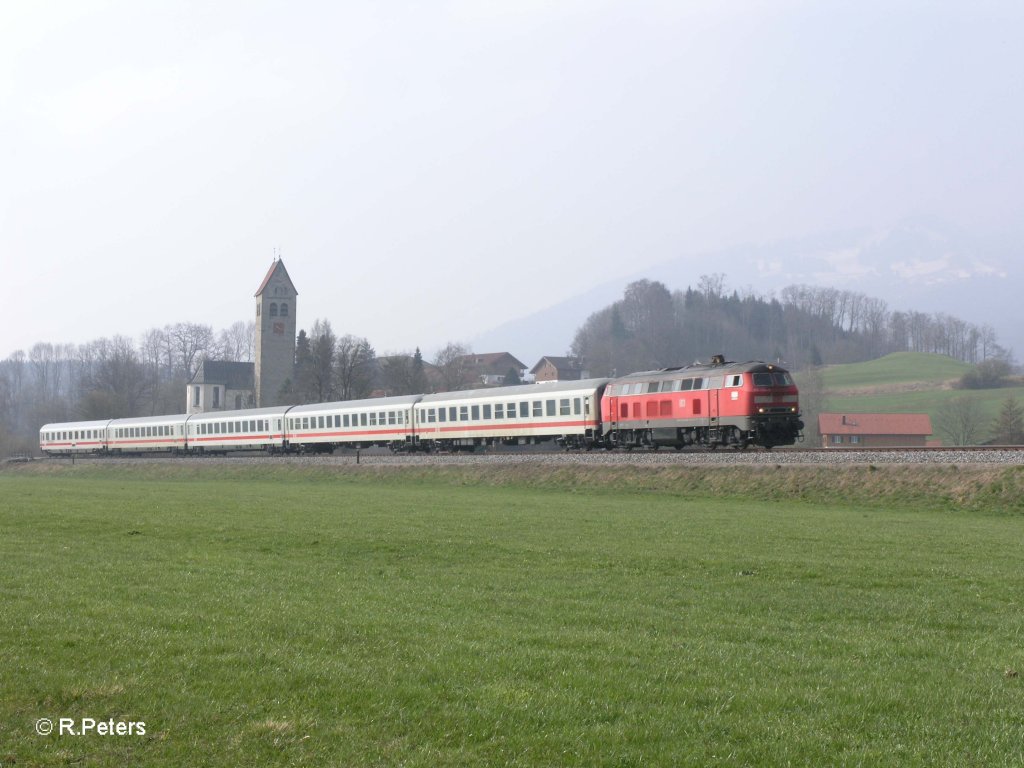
x: 762, y: 379
x: 735, y: 381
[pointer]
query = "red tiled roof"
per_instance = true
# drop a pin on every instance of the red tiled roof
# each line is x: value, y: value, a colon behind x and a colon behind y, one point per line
x: 874, y: 424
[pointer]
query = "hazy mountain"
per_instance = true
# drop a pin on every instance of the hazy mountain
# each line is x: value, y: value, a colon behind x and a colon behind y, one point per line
x: 916, y: 265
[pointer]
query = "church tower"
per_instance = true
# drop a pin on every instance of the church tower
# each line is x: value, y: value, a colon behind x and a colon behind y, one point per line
x: 275, y: 334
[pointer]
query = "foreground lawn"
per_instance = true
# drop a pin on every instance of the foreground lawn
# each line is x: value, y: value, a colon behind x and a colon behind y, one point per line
x: 342, y: 621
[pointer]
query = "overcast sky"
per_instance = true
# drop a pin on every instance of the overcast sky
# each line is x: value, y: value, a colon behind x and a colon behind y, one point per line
x: 429, y: 170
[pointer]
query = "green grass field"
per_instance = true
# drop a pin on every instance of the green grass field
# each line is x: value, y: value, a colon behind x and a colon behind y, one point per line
x: 910, y: 382
x: 896, y: 368
x: 366, y: 618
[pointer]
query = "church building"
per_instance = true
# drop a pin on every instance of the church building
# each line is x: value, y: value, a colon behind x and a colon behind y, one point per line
x: 220, y: 385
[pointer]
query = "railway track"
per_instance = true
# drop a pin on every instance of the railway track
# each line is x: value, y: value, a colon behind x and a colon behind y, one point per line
x: 1009, y: 455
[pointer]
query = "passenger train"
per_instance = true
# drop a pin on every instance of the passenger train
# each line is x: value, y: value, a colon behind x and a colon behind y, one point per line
x: 718, y: 404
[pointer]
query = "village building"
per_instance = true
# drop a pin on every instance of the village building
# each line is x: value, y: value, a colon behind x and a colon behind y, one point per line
x: 550, y: 368
x: 860, y: 430
x: 490, y: 369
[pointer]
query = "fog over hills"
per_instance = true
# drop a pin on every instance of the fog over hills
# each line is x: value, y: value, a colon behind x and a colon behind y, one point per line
x: 916, y: 265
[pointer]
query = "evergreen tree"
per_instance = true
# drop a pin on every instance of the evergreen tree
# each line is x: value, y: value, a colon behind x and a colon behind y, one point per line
x: 420, y: 385
x: 1009, y: 425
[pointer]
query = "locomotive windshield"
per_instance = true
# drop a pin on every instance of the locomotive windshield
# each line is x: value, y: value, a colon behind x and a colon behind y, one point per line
x: 778, y: 379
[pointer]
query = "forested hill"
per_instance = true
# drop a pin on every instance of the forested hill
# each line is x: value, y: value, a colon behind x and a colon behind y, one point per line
x: 653, y: 327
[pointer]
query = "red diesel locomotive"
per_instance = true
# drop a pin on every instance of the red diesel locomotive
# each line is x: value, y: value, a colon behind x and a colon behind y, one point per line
x: 724, y: 403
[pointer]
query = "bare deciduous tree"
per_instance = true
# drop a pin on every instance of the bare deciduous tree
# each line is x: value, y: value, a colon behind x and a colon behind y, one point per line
x: 353, y: 367
x: 451, y: 366
x: 960, y: 420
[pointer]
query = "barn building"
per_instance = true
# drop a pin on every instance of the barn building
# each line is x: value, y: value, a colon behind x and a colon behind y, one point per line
x: 859, y: 430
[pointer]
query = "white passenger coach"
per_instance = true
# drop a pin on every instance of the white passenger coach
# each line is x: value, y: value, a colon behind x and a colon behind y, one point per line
x: 385, y: 421
x: 566, y: 412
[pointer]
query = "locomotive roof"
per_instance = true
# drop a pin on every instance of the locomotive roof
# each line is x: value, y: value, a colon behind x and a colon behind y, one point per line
x: 523, y: 390
x: 706, y: 369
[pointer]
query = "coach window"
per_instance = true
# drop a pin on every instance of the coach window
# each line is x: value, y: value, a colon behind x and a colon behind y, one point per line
x: 463, y: 413
x: 499, y: 411
x: 564, y: 408
x: 337, y: 421
x: 524, y: 410
x: 451, y: 413
x: 476, y: 413
x: 487, y: 411
x: 391, y: 418
x: 577, y: 406
x: 538, y: 409
x: 442, y: 414
x: 382, y: 418
x: 550, y: 407
x: 362, y: 419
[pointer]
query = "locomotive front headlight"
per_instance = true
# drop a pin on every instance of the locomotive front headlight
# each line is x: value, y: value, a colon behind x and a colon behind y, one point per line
x: 760, y: 410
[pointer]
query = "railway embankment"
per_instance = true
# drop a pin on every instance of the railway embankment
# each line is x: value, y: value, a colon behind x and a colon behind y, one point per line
x: 993, y: 485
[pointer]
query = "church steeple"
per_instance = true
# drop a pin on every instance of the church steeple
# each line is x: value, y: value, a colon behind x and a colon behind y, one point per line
x: 275, y: 333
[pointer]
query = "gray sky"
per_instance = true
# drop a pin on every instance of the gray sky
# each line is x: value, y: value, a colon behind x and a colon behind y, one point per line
x: 430, y: 170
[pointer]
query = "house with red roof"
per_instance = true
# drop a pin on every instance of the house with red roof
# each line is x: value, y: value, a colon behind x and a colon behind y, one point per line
x: 859, y: 430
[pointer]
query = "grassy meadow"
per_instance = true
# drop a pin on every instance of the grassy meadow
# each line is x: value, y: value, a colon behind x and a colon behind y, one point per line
x: 283, y: 616
x: 910, y: 382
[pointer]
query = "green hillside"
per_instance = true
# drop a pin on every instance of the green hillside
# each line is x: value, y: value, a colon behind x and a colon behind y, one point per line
x: 908, y: 382
x: 897, y: 368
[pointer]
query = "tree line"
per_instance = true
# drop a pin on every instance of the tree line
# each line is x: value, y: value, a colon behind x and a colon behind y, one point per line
x: 118, y: 377
x: 652, y: 327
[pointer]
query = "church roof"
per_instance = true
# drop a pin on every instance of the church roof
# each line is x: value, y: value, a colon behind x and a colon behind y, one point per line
x: 275, y: 268
x: 231, y: 375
